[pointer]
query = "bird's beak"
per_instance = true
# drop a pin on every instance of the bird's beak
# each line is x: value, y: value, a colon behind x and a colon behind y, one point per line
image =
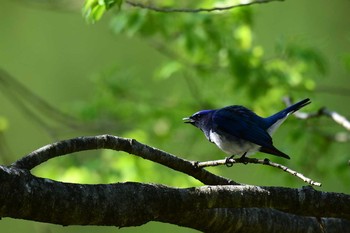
x: 188, y: 120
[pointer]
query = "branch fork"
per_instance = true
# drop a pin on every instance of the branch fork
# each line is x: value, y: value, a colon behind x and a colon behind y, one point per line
x: 134, y: 147
x: 220, y: 200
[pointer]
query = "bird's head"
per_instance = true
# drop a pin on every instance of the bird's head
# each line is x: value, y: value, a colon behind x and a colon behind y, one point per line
x: 199, y: 119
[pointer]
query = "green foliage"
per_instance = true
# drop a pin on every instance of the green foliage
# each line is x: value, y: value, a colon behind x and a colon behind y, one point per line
x: 222, y: 46
x: 209, y: 60
x: 3, y: 124
x: 93, y: 10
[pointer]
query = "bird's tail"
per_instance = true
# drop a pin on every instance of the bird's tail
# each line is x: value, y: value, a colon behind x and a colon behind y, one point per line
x: 295, y: 107
x: 274, y: 121
x: 274, y: 151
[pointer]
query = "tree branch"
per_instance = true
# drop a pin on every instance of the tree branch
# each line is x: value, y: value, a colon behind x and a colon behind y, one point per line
x: 341, y: 120
x: 207, y: 208
x: 222, y: 208
x: 194, y: 169
x: 258, y: 161
x: 260, y: 220
x: 196, y: 10
x: 130, y: 146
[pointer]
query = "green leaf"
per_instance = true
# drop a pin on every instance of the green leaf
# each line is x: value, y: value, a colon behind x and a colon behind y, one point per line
x: 97, y: 12
x: 93, y: 10
x: 168, y: 70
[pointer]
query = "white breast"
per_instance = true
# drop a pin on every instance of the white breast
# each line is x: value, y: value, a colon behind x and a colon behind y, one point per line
x: 234, y: 147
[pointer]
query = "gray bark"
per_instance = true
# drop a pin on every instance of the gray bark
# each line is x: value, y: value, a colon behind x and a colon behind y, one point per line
x: 222, y: 206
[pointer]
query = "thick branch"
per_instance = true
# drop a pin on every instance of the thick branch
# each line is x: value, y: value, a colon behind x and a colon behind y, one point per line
x: 196, y: 10
x: 119, y: 144
x: 255, y: 220
x: 130, y: 204
x: 28, y: 197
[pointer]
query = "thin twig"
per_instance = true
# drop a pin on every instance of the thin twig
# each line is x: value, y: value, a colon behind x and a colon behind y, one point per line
x: 341, y: 120
x: 196, y: 10
x: 257, y: 161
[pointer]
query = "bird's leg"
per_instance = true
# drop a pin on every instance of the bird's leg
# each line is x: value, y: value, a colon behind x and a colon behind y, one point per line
x: 266, y: 161
x: 243, y: 158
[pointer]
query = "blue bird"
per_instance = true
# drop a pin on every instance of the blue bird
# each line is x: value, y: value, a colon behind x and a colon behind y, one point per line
x: 238, y: 131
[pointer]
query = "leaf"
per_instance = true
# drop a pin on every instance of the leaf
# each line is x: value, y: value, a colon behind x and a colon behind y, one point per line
x: 97, y: 12
x: 168, y: 70
x: 93, y: 10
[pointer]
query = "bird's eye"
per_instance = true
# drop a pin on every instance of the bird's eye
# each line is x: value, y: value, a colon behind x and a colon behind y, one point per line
x: 197, y: 116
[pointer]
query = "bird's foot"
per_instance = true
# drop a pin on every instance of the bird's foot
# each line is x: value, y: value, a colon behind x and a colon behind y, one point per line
x: 266, y: 161
x: 243, y: 159
x: 195, y: 164
x: 228, y: 161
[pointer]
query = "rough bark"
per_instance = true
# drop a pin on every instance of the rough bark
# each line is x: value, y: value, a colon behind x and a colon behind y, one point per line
x: 130, y: 146
x: 224, y: 206
x: 228, y: 208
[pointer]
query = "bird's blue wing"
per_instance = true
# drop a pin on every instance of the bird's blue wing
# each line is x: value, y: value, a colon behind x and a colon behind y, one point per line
x: 242, y: 123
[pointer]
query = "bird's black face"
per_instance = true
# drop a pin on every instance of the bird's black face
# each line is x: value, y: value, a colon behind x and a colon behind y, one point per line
x: 192, y: 119
x: 198, y: 118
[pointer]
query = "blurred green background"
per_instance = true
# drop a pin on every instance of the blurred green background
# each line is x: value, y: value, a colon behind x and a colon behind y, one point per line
x: 136, y: 73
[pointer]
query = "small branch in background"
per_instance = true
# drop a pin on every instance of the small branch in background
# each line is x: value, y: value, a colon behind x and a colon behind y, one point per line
x: 47, y: 116
x: 258, y: 161
x: 338, y: 137
x: 341, y: 120
x: 336, y: 117
x: 35, y: 108
x: 196, y: 10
